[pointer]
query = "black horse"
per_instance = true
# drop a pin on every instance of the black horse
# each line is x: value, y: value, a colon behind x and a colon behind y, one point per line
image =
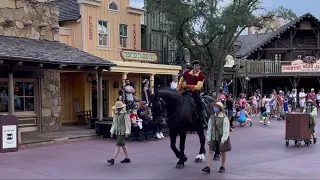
x: 182, y: 116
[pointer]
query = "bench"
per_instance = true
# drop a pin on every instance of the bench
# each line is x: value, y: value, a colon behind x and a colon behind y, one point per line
x: 137, y: 134
x: 103, y: 127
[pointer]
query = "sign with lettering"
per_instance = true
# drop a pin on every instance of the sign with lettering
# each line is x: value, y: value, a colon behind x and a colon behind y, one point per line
x: 9, y: 139
x: 90, y: 27
x: 301, y: 66
x: 131, y: 55
x: 134, y: 37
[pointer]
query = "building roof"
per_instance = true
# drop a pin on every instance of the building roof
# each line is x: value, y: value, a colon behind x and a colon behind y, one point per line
x: 251, y: 43
x: 47, y: 52
x: 69, y: 10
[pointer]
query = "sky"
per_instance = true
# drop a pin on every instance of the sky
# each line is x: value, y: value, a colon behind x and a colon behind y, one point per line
x: 300, y: 7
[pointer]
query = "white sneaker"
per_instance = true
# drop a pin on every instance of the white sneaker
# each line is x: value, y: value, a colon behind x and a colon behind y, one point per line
x: 161, y: 135
x: 158, y: 136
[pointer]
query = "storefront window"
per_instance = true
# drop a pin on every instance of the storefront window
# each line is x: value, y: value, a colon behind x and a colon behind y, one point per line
x: 3, y: 97
x: 23, y: 96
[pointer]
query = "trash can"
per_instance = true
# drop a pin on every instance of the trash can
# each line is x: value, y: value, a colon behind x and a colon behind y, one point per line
x: 9, y: 133
x: 297, y: 128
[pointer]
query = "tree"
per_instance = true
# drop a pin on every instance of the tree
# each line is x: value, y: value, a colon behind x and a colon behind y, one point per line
x: 210, y: 27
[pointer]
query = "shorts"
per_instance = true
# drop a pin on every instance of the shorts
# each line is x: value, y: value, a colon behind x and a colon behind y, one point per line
x: 301, y: 103
x: 279, y: 109
x: 263, y: 109
x: 121, y: 140
x: 213, y: 145
x: 230, y: 113
x: 312, y: 128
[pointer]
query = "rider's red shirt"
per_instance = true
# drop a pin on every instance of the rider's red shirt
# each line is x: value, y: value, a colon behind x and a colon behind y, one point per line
x: 193, y: 79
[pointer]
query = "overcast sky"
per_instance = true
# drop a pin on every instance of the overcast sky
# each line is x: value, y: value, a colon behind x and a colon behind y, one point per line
x: 300, y: 7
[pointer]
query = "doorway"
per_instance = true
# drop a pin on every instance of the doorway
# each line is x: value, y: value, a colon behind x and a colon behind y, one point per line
x: 104, y: 98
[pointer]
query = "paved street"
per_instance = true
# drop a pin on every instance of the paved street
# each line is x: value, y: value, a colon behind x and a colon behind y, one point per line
x: 258, y: 153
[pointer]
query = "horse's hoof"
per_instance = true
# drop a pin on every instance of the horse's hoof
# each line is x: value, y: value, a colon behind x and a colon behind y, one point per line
x: 197, y: 160
x: 216, y: 158
x: 180, y: 166
x: 185, y: 159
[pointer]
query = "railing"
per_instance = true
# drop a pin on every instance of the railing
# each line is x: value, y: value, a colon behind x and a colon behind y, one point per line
x: 261, y: 67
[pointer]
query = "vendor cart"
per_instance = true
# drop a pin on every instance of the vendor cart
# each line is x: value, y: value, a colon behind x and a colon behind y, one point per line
x: 298, y: 129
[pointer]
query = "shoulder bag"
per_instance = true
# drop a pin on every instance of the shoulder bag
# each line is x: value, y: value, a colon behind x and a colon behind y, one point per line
x: 226, y: 146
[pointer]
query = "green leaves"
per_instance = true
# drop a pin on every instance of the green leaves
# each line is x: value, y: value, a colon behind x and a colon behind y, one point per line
x: 208, y: 28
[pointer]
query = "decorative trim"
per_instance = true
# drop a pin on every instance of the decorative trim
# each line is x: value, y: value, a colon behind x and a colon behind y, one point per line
x: 134, y: 10
x: 83, y: 26
x: 112, y: 10
x: 91, y: 2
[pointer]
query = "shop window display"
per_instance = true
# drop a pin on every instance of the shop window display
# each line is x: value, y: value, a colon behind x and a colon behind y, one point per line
x: 23, y: 96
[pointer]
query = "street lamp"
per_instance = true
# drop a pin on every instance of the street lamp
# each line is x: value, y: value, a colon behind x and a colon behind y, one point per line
x: 247, y: 78
x: 89, y: 78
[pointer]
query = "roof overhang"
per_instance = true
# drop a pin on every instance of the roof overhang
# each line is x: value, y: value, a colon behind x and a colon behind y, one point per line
x: 145, y: 68
x: 134, y: 10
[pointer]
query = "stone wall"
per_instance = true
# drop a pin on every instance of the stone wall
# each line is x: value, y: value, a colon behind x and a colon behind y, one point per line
x: 50, y: 101
x: 30, y: 20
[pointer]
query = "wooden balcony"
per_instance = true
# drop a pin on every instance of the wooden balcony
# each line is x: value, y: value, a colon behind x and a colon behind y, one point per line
x: 260, y: 68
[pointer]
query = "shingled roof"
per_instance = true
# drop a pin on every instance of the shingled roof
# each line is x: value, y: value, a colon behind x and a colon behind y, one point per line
x: 49, y: 52
x: 251, y: 43
x: 68, y: 9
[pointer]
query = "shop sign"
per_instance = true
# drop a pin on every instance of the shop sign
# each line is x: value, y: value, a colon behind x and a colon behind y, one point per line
x: 131, y: 55
x: 301, y: 66
x: 90, y: 27
x: 134, y: 37
x: 9, y: 139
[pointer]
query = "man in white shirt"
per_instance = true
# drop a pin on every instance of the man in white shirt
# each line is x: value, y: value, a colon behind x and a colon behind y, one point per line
x: 129, y: 90
x: 293, y: 99
x: 302, y: 99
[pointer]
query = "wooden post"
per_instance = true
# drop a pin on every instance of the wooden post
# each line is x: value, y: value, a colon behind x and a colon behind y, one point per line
x: 100, y: 95
x: 124, y: 77
x: 152, y: 83
x: 10, y: 93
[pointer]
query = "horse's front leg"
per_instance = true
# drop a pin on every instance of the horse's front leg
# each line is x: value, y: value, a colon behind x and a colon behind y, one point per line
x: 182, y: 157
x: 201, y: 156
x: 173, y: 138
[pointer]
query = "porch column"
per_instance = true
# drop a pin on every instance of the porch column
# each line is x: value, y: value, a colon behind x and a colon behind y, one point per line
x: 100, y: 95
x: 10, y: 93
x: 124, y: 77
x: 152, y: 83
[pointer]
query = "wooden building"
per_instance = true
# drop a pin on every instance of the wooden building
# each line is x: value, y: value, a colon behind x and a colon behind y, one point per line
x: 286, y: 58
x: 31, y: 59
x: 109, y: 29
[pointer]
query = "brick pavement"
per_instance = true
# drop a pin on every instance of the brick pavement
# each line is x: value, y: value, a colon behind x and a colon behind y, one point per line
x: 258, y: 153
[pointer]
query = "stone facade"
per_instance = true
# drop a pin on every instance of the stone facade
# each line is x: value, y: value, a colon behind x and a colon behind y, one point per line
x: 50, y: 101
x: 30, y: 20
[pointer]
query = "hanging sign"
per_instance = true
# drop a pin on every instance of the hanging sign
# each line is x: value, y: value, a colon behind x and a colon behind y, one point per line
x: 301, y: 66
x: 142, y: 56
x: 9, y: 139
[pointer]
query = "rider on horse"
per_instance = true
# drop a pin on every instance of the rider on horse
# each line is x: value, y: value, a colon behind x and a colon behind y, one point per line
x: 194, y: 80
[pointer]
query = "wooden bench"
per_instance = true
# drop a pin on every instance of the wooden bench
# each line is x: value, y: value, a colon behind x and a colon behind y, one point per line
x: 103, y: 127
x: 137, y: 134
x: 82, y: 116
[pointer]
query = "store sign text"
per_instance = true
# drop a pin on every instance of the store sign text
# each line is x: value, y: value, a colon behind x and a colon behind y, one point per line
x: 134, y: 37
x: 301, y: 67
x: 139, y: 56
x: 90, y: 27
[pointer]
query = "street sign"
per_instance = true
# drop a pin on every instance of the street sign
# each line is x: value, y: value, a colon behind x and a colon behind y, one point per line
x: 9, y: 139
x: 9, y: 133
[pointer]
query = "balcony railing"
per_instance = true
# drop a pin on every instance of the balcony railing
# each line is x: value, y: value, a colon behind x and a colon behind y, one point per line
x: 261, y: 67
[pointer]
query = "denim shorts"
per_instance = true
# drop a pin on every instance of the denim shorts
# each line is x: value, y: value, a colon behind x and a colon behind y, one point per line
x: 230, y: 112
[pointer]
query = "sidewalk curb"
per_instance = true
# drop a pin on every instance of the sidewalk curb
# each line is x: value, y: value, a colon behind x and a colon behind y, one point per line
x: 57, y: 141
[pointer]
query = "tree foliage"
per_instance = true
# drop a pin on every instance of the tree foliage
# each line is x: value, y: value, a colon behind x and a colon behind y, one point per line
x: 210, y: 27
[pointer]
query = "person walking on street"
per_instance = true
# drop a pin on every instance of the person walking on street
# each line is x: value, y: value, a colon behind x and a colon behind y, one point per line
x: 218, y: 131
x: 121, y: 127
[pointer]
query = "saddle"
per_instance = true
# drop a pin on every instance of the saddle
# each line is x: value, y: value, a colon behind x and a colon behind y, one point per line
x: 188, y: 96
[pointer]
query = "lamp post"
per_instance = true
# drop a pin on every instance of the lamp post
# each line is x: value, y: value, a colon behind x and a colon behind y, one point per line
x: 247, y: 83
